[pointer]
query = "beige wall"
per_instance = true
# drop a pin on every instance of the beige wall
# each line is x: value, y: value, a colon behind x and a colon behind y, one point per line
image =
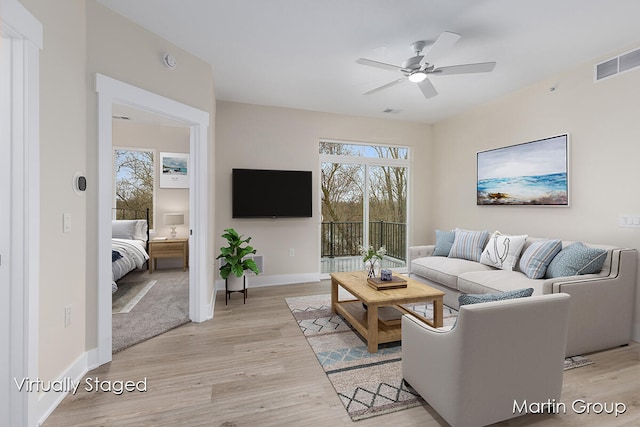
x: 160, y: 139
x: 602, y: 121
x: 251, y: 136
x: 82, y: 38
x: 62, y: 153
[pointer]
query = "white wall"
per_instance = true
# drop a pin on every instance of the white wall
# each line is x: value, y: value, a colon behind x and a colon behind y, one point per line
x: 602, y: 121
x: 251, y: 136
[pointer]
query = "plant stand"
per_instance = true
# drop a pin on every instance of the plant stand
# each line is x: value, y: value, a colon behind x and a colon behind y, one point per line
x: 227, y: 292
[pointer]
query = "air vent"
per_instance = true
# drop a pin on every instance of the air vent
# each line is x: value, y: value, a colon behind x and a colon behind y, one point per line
x: 617, y: 65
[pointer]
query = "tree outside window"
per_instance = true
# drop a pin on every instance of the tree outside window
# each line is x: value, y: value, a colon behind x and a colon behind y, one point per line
x: 134, y: 174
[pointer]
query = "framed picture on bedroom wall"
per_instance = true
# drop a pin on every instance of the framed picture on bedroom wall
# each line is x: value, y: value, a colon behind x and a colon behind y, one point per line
x: 533, y: 173
x: 174, y: 170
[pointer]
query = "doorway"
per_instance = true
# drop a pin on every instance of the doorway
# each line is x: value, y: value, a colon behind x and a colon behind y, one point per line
x: 110, y: 92
x: 145, y: 305
x: 364, y: 204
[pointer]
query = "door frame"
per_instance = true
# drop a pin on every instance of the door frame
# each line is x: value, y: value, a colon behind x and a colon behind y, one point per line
x: 24, y: 32
x: 111, y: 91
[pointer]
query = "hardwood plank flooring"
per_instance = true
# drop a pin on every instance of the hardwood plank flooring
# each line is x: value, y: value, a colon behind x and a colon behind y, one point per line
x: 251, y: 366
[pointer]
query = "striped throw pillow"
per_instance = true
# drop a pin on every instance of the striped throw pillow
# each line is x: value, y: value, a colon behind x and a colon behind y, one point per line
x: 538, y: 256
x: 469, y: 244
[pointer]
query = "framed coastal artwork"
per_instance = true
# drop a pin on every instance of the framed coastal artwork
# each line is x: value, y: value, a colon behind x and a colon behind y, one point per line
x: 174, y: 170
x: 532, y: 173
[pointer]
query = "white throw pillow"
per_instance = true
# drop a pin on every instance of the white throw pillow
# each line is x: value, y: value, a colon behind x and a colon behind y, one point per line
x: 503, y: 251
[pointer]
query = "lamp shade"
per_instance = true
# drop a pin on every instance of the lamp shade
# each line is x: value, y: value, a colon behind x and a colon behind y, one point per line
x: 173, y: 218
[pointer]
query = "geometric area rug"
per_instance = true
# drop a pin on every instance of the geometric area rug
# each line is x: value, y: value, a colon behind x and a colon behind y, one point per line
x: 367, y: 384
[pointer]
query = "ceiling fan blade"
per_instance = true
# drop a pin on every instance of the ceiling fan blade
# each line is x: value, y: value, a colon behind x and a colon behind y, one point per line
x: 427, y: 88
x: 443, y: 43
x: 385, y: 86
x: 377, y: 64
x: 481, y: 67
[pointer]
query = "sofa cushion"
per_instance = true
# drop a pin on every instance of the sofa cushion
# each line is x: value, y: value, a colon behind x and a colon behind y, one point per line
x: 576, y: 259
x: 444, y: 241
x: 502, y: 251
x: 465, y: 299
x: 469, y: 244
x: 537, y: 256
x: 482, y: 282
x: 444, y: 270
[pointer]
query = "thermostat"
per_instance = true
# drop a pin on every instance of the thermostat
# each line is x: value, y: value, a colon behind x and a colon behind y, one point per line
x: 79, y: 183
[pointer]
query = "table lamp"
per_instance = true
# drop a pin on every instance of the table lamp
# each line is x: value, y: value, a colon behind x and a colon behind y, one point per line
x: 173, y: 219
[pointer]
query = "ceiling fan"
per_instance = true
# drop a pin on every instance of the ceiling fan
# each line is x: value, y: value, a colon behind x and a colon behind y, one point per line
x: 417, y: 68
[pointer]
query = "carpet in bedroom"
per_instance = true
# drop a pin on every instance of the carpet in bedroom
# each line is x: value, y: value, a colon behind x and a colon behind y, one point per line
x: 162, y: 305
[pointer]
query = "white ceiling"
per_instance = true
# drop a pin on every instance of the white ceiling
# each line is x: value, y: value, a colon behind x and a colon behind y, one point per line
x: 301, y: 53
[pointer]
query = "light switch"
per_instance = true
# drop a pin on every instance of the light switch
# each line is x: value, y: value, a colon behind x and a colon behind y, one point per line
x: 66, y: 222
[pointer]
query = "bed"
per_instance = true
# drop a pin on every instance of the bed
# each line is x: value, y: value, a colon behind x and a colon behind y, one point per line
x: 129, y: 246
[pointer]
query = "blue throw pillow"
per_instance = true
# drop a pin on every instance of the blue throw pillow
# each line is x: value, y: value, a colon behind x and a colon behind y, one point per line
x: 444, y: 241
x: 576, y: 259
x: 465, y: 299
x: 469, y: 244
x: 535, y: 260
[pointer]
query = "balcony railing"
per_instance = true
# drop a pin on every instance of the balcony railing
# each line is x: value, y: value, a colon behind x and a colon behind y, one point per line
x: 344, y: 238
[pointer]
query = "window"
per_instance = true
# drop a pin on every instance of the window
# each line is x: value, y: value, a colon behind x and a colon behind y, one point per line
x: 364, y: 202
x: 134, y: 182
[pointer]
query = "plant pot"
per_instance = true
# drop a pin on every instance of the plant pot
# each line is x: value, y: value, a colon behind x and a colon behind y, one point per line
x: 235, y: 283
x: 372, y: 268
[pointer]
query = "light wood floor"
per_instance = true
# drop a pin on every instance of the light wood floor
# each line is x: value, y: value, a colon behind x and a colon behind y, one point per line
x: 251, y: 366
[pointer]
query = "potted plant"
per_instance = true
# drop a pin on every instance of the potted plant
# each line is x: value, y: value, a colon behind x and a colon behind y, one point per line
x: 234, y: 255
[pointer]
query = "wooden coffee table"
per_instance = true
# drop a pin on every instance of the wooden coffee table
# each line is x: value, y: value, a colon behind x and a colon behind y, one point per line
x: 374, y: 330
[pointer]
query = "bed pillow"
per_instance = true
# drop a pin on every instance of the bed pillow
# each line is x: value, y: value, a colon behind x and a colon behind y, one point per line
x: 140, y: 231
x: 465, y: 299
x: 502, y: 251
x: 444, y: 241
x: 576, y: 259
x: 123, y: 229
x: 469, y: 244
x: 536, y: 258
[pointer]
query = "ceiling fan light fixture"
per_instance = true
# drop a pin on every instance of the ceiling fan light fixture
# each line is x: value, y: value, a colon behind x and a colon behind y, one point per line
x: 417, y: 77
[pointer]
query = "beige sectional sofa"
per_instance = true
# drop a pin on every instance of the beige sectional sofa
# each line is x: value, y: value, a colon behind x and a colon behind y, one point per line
x: 601, y: 303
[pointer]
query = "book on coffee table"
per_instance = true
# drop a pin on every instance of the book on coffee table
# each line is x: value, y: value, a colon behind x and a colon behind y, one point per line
x: 379, y: 284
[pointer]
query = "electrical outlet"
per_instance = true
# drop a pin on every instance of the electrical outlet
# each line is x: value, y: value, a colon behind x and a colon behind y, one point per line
x: 629, y: 220
x: 67, y: 316
x: 292, y: 252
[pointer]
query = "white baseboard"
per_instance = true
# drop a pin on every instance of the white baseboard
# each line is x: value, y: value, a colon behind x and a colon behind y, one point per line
x: 275, y: 280
x: 49, y: 401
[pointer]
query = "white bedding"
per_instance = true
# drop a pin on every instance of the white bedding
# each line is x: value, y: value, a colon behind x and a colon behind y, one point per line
x: 133, y: 254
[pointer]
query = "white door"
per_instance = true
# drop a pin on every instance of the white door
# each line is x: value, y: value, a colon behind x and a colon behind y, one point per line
x: 5, y: 224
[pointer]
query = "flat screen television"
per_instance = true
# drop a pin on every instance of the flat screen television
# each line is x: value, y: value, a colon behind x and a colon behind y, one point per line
x: 262, y: 193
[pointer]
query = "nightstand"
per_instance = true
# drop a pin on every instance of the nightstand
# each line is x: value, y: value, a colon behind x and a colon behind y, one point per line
x: 170, y: 248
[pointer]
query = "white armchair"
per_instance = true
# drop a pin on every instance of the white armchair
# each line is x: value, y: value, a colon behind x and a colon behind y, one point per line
x: 498, y: 353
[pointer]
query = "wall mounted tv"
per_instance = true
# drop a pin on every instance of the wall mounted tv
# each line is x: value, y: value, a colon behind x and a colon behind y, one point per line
x: 261, y: 193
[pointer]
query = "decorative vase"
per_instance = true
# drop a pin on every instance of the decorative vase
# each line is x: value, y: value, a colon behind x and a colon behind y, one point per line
x: 372, y: 267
